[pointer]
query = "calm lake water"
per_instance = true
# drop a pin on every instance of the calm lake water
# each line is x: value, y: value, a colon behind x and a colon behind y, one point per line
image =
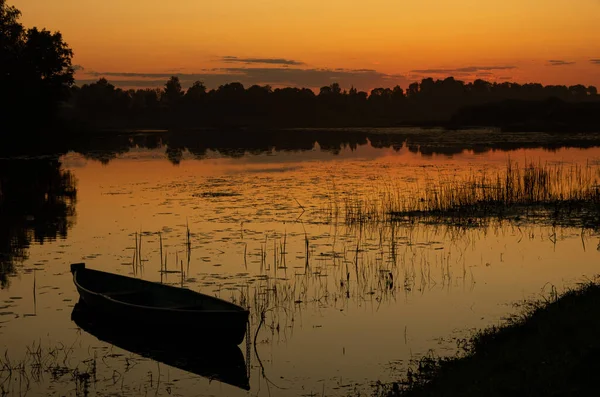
x: 353, y: 308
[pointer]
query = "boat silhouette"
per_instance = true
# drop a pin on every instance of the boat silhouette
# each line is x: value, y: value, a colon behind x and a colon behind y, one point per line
x: 140, y: 305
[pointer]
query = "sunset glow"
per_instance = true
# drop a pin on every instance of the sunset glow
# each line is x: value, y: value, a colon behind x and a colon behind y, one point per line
x: 376, y: 43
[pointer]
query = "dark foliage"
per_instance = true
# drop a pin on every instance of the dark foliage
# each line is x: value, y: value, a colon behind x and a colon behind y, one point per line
x: 35, y: 69
x: 446, y: 102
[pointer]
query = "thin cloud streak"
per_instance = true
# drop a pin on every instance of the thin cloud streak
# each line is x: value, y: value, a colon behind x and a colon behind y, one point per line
x: 268, y: 61
x: 560, y: 62
x: 595, y: 61
x: 464, y: 70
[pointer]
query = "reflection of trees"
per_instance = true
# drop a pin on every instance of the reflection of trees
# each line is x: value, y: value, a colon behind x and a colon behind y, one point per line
x: 237, y: 143
x: 107, y: 148
x: 37, y: 203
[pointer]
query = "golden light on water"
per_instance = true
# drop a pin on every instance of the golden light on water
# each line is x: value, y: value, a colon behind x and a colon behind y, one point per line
x: 249, y: 216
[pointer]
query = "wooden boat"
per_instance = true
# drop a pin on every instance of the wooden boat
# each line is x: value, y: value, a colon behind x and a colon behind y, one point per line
x: 136, y: 306
x: 216, y: 362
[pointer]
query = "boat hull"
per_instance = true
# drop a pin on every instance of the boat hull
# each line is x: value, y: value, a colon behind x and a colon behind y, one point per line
x: 220, y: 326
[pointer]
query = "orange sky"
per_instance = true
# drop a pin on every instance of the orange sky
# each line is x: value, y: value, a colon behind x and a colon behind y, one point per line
x: 303, y: 42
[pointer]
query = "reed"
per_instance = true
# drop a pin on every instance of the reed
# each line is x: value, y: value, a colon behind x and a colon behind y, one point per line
x: 140, y: 263
x: 188, y: 244
x: 135, y: 255
x: 356, y: 275
x: 551, y: 191
x: 160, y: 240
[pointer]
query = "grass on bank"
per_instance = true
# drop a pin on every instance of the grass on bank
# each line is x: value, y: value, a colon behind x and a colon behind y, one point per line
x: 553, y: 349
x: 561, y: 193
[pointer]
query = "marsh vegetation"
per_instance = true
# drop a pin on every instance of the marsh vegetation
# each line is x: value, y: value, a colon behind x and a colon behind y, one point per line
x: 559, y: 193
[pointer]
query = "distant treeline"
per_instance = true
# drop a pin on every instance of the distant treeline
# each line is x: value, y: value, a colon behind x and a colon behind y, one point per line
x: 447, y: 102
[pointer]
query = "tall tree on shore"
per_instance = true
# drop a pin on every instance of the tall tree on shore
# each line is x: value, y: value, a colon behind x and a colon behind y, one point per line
x: 173, y: 92
x: 35, y: 70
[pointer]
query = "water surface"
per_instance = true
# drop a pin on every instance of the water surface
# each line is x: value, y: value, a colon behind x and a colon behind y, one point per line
x: 351, y: 309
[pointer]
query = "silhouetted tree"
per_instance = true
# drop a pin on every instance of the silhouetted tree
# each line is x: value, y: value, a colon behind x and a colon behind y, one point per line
x: 173, y: 93
x: 103, y: 101
x: 196, y: 93
x: 398, y: 94
x: 413, y: 90
x: 12, y: 35
x: 35, y: 69
x: 145, y: 101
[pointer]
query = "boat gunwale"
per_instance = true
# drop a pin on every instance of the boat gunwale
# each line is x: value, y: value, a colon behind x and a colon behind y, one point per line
x: 240, y: 309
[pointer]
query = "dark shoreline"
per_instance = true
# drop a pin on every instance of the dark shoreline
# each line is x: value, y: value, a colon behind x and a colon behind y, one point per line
x: 549, y: 350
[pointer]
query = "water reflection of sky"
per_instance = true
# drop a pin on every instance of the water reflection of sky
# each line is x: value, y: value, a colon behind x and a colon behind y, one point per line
x: 333, y: 326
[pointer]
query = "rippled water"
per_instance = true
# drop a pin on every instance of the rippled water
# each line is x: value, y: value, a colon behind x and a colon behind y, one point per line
x: 351, y: 309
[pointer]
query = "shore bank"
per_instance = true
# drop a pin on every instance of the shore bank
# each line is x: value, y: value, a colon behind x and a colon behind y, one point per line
x: 551, y: 349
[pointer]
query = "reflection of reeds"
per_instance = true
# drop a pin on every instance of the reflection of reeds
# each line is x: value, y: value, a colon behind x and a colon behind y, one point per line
x: 373, y: 266
x: 38, y: 362
x: 558, y: 189
x: 78, y: 370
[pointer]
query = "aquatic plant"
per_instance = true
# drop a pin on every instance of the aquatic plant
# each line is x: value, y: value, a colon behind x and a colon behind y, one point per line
x: 562, y: 193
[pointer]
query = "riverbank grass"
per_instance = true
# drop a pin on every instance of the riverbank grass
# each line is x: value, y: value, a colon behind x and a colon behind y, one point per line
x: 552, y: 349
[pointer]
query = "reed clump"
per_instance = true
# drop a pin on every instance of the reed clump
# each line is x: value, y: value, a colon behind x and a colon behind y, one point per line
x: 563, y: 193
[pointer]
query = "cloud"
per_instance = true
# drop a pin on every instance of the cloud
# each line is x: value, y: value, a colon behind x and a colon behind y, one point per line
x: 78, y: 68
x: 595, y: 61
x: 269, y: 61
x: 559, y: 62
x: 140, y: 75
x: 464, y: 70
x: 362, y: 79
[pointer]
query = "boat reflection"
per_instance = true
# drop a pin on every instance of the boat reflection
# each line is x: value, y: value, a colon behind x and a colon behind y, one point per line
x: 221, y: 363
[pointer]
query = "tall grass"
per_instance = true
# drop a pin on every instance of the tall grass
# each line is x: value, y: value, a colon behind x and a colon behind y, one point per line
x: 561, y: 188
